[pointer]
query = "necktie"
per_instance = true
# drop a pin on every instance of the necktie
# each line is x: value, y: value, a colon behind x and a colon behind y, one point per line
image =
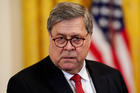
x: 78, y: 86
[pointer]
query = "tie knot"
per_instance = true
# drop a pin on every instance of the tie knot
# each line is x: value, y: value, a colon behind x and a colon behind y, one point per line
x: 76, y: 78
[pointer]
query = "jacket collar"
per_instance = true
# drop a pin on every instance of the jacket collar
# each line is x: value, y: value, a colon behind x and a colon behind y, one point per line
x: 55, y: 78
x: 58, y: 83
x: 98, y: 80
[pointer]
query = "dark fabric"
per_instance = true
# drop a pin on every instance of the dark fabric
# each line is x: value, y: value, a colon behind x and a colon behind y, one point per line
x: 45, y: 77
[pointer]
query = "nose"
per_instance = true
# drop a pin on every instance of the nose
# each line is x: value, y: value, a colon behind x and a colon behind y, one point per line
x: 69, y: 46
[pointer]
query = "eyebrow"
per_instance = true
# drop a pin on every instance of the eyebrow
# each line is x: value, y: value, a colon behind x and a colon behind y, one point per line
x: 73, y: 35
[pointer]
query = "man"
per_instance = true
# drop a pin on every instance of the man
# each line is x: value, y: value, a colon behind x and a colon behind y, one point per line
x: 66, y: 70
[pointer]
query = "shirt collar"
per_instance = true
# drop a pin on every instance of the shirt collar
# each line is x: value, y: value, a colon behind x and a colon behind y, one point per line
x: 83, y: 73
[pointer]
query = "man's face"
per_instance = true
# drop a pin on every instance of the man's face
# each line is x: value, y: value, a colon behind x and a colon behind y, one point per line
x: 69, y: 58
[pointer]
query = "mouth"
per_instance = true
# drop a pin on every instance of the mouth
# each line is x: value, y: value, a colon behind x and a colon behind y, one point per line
x: 68, y: 58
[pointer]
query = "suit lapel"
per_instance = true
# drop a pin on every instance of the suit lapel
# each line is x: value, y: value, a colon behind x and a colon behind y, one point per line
x: 55, y: 78
x: 99, y: 82
x: 58, y: 84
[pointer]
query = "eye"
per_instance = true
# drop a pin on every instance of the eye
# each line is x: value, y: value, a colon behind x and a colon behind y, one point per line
x: 60, y: 40
x: 76, y: 40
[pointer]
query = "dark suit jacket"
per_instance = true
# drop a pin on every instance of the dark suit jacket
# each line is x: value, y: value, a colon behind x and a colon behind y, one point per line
x: 45, y: 77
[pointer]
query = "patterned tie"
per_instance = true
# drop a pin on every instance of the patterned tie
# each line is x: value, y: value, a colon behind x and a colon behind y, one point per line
x: 78, y: 86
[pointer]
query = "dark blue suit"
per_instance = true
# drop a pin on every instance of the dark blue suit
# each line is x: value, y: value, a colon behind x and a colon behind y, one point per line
x: 45, y: 77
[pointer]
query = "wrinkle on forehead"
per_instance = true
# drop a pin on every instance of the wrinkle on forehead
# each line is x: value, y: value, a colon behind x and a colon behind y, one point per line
x: 74, y: 26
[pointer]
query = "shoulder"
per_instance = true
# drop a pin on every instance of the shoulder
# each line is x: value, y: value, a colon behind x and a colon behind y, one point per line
x: 34, y: 78
x: 29, y: 79
x: 107, y: 76
x: 30, y: 73
x: 100, y: 68
x: 33, y: 69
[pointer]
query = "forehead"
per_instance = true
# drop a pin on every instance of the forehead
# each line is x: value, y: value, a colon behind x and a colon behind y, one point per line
x: 73, y: 26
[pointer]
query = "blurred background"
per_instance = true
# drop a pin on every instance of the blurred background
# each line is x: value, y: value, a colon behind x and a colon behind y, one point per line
x: 116, y: 38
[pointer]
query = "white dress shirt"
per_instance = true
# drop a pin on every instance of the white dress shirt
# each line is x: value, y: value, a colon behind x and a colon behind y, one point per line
x: 86, y: 80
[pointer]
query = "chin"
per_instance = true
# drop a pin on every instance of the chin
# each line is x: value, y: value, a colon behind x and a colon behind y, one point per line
x: 68, y: 67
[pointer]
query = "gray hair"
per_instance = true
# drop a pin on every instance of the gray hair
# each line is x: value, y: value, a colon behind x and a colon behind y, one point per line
x: 67, y: 11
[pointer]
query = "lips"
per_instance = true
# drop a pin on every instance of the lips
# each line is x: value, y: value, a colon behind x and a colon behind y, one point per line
x: 68, y: 58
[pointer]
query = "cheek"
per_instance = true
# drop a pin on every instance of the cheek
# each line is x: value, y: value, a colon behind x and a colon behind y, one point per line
x: 83, y: 51
x: 54, y: 52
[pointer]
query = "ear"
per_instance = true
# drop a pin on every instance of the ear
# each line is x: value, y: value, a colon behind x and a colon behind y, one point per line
x: 90, y: 37
x: 49, y: 36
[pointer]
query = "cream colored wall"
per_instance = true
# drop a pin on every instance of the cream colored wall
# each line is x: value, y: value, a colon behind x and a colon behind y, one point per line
x: 10, y: 40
